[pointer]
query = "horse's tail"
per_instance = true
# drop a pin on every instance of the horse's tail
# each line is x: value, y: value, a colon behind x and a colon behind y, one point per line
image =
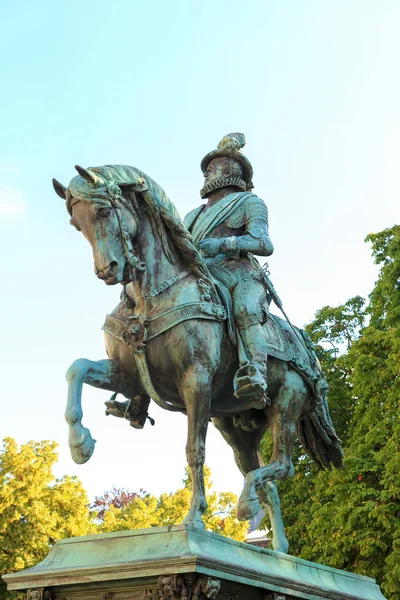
x: 318, y: 437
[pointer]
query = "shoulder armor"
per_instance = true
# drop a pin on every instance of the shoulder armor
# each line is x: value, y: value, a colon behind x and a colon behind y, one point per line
x: 256, y: 209
x: 253, y: 209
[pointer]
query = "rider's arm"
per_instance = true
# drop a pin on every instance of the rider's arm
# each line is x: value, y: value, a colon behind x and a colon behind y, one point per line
x: 256, y: 237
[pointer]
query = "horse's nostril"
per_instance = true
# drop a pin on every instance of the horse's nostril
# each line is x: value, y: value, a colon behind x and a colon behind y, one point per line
x: 112, y: 267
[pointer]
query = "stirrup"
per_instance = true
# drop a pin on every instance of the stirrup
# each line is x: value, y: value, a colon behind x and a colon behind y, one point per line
x: 133, y: 410
x: 249, y: 381
x: 115, y: 408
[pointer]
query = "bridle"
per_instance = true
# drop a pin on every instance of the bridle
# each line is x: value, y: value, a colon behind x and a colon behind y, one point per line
x: 136, y: 329
x: 116, y: 199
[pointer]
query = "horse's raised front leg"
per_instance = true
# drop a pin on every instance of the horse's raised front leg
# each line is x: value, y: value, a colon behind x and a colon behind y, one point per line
x: 246, y: 450
x: 104, y: 374
x: 196, y: 392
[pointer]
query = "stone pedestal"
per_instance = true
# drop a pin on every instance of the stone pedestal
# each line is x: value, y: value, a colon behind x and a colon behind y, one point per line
x: 181, y: 563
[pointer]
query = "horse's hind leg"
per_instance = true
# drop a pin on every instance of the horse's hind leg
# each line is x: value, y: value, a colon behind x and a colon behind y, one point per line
x: 283, y: 415
x: 246, y: 450
x: 104, y: 374
x: 268, y: 494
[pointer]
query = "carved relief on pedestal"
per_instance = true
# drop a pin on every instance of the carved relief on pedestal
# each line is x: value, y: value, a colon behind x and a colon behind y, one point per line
x: 38, y: 594
x: 191, y: 586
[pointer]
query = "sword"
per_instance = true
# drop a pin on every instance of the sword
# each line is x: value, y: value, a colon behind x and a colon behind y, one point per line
x: 274, y: 295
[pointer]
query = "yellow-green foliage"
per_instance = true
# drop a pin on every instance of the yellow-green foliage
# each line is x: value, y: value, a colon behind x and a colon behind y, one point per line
x: 36, y: 510
x: 169, y: 509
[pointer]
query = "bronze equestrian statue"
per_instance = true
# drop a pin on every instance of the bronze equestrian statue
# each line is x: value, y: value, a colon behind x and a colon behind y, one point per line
x: 193, y: 330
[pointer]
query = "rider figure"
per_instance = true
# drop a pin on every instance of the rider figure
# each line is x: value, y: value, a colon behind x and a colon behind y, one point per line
x: 233, y: 223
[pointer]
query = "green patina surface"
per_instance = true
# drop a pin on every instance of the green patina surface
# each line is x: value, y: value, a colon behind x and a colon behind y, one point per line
x: 193, y: 331
x: 149, y: 553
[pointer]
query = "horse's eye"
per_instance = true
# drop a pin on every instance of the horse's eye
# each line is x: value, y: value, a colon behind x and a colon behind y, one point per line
x: 104, y: 213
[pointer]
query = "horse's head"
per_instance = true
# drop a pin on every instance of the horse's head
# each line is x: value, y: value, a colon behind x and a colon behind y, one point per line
x: 119, y: 208
x: 104, y: 212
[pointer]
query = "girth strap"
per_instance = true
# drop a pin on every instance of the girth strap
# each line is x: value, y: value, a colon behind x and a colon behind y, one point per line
x: 194, y: 310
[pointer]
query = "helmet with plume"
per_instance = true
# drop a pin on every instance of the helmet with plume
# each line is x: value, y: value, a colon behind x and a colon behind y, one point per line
x: 236, y: 172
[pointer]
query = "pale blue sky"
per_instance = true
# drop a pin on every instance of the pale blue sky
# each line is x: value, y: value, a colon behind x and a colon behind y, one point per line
x: 313, y: 84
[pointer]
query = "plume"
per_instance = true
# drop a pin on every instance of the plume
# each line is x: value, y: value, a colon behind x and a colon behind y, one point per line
x: 232, y: 141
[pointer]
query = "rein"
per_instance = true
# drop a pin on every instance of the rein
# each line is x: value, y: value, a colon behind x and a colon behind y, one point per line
x: 138, y: 330
x: 135, y: 336
x: 116, y: 196
x: 129, y: 255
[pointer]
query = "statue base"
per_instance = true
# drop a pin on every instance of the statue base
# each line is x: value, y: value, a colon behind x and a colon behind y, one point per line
x: 181, y: 563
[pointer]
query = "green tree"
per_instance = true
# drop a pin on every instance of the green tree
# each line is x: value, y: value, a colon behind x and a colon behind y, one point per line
x: 350, y: 519
x: 35, y: 509
x: 334, y: 330
x: 358, y: 527
x: 144, y: 510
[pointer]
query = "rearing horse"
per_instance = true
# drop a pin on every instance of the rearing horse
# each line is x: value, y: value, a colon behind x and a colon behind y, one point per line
x: 167, y: 340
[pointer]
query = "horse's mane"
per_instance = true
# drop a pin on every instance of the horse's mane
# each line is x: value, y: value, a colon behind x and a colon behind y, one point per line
x: 161, y: 210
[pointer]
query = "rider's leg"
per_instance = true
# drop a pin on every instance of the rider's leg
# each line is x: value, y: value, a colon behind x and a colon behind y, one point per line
x: 249, y: 301
x: 251, y: 378
x: 103, y: 374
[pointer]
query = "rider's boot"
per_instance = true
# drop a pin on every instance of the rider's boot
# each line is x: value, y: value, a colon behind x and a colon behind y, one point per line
x: 134, y: 410
x: 251, y: 377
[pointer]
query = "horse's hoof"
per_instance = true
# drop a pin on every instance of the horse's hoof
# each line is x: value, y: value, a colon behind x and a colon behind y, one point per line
x: 82, y: 452
x: 282, y: 546
x: 249, y: 505
x: 195, y: 522
x: 248, y: 509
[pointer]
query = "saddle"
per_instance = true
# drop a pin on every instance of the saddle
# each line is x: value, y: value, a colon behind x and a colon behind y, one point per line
x: 224, y: 282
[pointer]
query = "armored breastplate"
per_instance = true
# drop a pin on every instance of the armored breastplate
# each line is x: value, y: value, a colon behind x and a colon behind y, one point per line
x: 233, y: 226
x: 223, y: 231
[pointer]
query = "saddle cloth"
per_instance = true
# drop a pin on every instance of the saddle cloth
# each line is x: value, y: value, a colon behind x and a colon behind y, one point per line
x: 281, y: 340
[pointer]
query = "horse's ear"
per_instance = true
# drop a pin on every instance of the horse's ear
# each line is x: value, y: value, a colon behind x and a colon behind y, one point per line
x: 60, y: 189
x: 86, y: 174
